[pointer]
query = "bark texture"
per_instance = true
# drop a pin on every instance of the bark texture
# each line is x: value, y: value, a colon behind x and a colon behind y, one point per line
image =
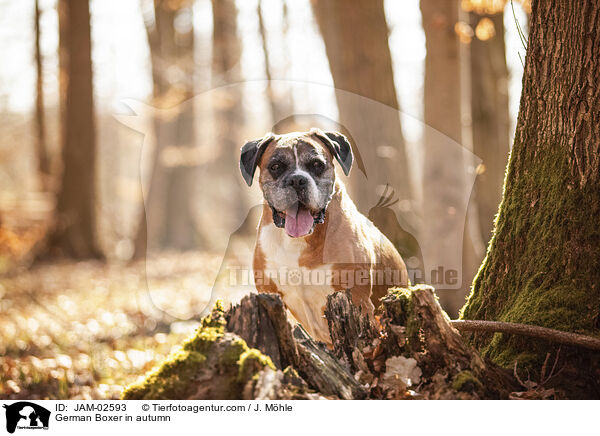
x: 543, y: 263
x: 75, y: 233
x: 440, y: 351
x: 292, y: 346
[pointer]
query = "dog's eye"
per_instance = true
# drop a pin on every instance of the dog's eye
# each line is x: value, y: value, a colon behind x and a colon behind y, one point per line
x: 317, y: 166
x: 276, y: 169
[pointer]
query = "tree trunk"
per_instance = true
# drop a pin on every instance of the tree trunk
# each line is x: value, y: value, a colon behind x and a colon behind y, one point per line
x: 543, y: 264
x: 355, y: 34
x: 445, y: 191
x: 273, y: 104
x: 279, y: 102
x: 228, y: 106
x: 167, y: 221
x: 40, y: 123
x: 442, y: 67
x: 490, y: 120
x: 356, y: 41
x: 75, y: 233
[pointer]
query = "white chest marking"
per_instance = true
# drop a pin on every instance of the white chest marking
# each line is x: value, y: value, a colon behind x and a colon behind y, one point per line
x: 304, y: 290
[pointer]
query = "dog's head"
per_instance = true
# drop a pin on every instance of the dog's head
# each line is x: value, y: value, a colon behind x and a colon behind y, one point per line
x: 297, y: 174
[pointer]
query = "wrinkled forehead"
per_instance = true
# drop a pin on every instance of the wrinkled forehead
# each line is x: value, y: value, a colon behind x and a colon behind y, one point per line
x: 298, y: 146
x: 294, y: 147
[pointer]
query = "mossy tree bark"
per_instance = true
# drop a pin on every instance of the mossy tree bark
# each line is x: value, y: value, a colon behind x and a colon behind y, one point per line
x: 543, y: 262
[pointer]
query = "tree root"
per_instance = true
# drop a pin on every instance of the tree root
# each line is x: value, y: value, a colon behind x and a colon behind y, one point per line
x: 533, y: 331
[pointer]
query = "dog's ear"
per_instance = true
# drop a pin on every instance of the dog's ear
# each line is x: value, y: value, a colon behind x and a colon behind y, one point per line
x: 250, y: 156
x: 338, y: 145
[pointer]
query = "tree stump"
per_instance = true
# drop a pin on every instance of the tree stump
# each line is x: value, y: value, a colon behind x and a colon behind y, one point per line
x: 261, y: 319
x: 420, y: 328
x: 254, y: 351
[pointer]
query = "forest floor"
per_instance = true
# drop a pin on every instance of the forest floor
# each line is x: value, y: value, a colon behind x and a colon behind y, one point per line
x: 85, y: 330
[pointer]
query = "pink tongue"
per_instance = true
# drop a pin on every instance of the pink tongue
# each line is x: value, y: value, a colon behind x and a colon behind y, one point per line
x: 298, y: 221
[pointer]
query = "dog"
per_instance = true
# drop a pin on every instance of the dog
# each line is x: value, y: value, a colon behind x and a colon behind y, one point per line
x: 312, y: 240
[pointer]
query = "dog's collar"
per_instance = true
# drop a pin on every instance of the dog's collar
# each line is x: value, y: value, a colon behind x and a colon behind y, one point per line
x: 320, y: 218
x: 279, y: 218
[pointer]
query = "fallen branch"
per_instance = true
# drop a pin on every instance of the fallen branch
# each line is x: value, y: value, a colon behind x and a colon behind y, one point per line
x: 533, y: 331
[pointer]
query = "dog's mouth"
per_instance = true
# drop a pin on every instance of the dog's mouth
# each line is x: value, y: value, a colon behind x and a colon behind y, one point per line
x: 298, y: 220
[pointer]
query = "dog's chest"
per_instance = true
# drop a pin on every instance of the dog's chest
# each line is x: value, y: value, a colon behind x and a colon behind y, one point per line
x: 304, y: 290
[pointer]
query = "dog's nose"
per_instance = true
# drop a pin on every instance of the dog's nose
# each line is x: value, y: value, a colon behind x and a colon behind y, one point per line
x: 297, y: 181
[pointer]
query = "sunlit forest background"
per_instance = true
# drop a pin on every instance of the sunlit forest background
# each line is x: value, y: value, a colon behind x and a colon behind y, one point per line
x: 121, y: 203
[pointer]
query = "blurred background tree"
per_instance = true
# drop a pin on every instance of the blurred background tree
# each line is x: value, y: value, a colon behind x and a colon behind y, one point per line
x: 74, y: 233
x: 444, y: 179
x: 229, y: 112
x: 168, y: 221
x: 355, y: 34
x: 489, y: 111
x: 40, y: 119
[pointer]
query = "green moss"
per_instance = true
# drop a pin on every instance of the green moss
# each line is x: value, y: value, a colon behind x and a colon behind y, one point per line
x: 221, y: 361
x: 233, y: 353
x: 250, y: 363
x: 216, y: 318
x: 168, y: 381
x: 211, y: 330
x: 290, y: 373
x: 543, y: 262
x: 465, y: 381
x: 506, y: 355
x: 203, y: 339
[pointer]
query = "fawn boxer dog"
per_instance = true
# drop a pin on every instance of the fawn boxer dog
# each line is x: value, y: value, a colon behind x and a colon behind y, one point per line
x: 311, y: 239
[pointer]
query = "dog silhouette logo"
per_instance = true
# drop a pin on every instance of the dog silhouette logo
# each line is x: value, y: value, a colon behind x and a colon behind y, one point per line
x: 26, y: 415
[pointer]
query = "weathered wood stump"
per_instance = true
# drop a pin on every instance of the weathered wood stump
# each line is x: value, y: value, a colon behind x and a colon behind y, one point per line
x: 255, y: 351
x: 262, y: 321
x: 417, y: 325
